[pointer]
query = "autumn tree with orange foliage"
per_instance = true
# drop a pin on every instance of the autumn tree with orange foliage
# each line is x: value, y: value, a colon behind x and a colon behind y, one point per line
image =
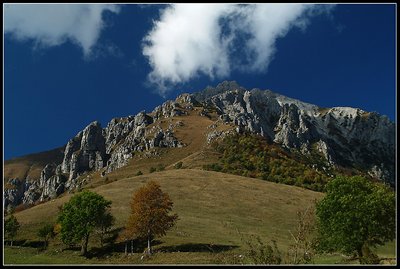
x: 149, y: 217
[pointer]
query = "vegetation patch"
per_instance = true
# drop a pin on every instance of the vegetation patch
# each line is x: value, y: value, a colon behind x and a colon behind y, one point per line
x: 252, y: 156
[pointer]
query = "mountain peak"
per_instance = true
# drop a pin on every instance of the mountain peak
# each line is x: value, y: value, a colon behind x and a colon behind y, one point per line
x: 222, y: 87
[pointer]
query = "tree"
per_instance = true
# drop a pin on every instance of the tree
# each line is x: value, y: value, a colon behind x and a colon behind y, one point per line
x: 81, y: 216
x: 301, y: 251
x: 104, y: 226
x: 354, y: 216
x: 46, y: 232
x: 11, y: 227
x: 126, y: 236
x: 149, y: 213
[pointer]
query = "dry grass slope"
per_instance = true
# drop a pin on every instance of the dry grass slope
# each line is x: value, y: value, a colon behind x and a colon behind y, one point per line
x: 211, y: 206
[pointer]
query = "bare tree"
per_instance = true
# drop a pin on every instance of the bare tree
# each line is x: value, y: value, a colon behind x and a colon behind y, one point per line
x: 301, y: 251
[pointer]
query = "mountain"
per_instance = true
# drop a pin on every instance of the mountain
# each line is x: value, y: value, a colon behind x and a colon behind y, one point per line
x: 187, y: 129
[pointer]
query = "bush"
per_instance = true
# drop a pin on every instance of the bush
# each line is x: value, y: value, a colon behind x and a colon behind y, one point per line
x: 161, y: 167
x: 301, y: 251
x: 216, y: 167
x: 152, y: 169
x: 178, y: 165
x: 139, y: 173
x: 260, y: 253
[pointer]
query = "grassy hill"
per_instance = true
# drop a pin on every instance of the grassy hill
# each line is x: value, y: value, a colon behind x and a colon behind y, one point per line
x: 212, y: 207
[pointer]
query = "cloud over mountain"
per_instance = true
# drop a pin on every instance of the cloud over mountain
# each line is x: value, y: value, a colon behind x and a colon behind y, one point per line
x: 54, y: 24
x: 214, y: 39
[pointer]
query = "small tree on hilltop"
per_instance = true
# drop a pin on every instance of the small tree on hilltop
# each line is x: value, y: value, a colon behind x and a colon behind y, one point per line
x: 11, y: 227
x: 149, y: 213
x: 81, y: 216
x: 356, y: 215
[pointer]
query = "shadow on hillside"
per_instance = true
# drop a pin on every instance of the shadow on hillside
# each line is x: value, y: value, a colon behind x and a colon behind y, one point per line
x: 191, y: 247
x: 138, y: 246
x: 73, y: 248
x: 25, y: 243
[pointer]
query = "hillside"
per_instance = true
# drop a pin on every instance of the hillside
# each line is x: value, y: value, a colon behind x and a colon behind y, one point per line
x: 211, y: 206
x: 213, y: 209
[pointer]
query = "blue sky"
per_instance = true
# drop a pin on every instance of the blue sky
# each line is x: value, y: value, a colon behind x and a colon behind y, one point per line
x: 67, y: 67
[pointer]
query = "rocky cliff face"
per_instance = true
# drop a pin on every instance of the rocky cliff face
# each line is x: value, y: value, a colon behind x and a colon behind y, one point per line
x: 93, y: 149
x: 345, y: 136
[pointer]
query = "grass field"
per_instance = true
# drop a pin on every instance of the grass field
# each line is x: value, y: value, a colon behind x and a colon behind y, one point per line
x: 213, y: 209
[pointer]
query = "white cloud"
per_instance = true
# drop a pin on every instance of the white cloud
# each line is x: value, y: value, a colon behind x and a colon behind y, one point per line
x: 214, y: 39
x: 54, y: 24
x: 185, y: 42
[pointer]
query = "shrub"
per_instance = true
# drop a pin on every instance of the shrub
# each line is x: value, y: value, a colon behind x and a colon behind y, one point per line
x: 152, y: 169
x: 178, y: 165
x: 161, y: 167
x: 260, y: 253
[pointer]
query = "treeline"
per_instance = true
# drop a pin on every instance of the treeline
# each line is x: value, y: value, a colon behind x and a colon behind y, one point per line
x: 252, y: 156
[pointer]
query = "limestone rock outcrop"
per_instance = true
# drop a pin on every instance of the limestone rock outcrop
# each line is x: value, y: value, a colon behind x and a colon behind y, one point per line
x: 345, y: 136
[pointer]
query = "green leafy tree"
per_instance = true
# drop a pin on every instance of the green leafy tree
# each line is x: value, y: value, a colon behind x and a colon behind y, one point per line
x: 355, y: 215
x: 81, y: 216
x: 149, y: 217
x: 46, y: 232
x: 11, y: 227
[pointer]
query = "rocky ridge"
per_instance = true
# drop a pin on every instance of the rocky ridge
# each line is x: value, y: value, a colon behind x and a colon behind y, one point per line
x: 93, y: 149
x: 345, y: 136
x: 348, y: 137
